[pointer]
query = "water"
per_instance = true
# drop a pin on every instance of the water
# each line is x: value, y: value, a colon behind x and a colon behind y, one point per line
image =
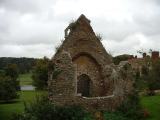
x: 27, y: 87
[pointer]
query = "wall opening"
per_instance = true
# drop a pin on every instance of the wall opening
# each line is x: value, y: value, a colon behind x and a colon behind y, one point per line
x: 84, y: 85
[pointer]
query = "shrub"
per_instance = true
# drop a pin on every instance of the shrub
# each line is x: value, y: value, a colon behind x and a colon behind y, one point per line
x: 131, y: 107
x: 99, y: 36
x: 43, y: 109
x: 114, y: 116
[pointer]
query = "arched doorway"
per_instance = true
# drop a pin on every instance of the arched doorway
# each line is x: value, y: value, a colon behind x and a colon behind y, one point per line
x: 84, y: 85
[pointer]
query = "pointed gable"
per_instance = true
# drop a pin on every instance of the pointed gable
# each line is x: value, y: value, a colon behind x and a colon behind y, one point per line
x: 81, y: 39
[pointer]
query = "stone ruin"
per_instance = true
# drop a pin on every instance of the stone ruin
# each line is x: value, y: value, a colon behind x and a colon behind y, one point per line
x: 88, y: 76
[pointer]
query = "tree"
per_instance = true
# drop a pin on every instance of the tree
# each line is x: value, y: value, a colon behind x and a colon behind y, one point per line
x: 154, y: 76
x: 7, y: 89
x: 40, y: 74
x: 41, y: 71
x: 12, y: 71
x: 120, y: 58
x: 9, y: 83
x: 24, y: 64
x: 151, y: 75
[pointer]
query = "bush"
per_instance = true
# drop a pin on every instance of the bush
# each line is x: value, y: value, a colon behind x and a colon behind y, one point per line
x: 114, y: 116
x: 43, y: 109
x: 131, y: 107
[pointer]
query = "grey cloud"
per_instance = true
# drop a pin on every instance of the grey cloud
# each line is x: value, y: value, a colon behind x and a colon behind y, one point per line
x: 25, y: 6
x: 115, y: 30
x: 144, y: 17
x: 38, y: 33
x: 132, y: 44
x: 30, y: 27
x: 157, y: 2
x: 39, y: 50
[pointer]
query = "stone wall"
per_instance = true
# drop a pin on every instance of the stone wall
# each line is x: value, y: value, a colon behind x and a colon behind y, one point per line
x: 65, y: 82
x: 108, y: 103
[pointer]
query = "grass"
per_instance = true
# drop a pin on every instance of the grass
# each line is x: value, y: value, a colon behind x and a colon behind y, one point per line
x: 7, y: 109
x: 25, y: 79
x: 152, y: 104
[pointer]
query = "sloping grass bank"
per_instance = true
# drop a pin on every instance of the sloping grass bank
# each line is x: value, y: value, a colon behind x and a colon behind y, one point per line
x: 152, y: 104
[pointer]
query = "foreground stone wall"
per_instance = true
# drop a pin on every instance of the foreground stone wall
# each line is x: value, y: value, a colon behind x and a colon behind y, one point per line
x: 108, y: 103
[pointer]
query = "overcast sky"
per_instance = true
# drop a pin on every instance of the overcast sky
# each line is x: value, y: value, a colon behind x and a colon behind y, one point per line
x: 33, y: 28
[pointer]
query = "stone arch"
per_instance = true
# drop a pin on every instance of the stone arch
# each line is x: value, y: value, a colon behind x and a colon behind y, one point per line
x: 84, y: 85
x: 86, y: 64
x: 87, y: 55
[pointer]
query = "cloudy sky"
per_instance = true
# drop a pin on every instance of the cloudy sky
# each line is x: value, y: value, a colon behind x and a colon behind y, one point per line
x: 33, y: 28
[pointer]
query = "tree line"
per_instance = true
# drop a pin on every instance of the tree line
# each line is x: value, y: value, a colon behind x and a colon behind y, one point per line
x: 10, y: 68
x: 24, y: 64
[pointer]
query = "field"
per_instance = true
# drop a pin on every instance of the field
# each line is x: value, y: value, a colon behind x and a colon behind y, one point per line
x: 25, y: 79
x: 152, y: 104
x: 17, y: 106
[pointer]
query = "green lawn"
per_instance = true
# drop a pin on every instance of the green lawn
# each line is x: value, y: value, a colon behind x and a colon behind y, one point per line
x: 25, y: 79
x: 6, y: 110
x: 152, y: 104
